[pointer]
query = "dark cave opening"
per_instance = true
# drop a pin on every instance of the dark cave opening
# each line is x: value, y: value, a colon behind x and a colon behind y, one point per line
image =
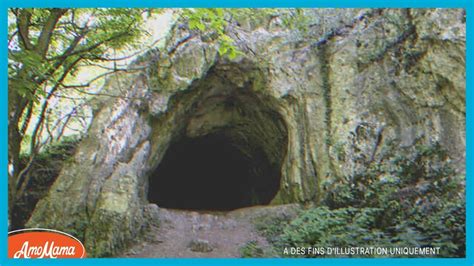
x: 211, y: 172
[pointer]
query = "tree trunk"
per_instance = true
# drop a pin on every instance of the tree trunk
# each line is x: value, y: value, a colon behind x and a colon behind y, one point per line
x: 16, y: 105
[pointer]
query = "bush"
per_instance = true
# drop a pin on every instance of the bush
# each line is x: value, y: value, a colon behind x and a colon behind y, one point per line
x: 322, y: 227
x: 43, y: 172
x: 251, y: 250
x: 408, y: 201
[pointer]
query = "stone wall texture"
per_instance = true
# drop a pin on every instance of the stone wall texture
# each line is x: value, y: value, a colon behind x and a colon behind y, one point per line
x: 367, y: 82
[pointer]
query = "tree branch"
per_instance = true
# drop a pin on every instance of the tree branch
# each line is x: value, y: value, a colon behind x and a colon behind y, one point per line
x: 26, y: 121
x: 23, y: 180
x: 89, y: 48
x: 12, y: 37
x: 47, y: 31
x: 23, y: 18
x: 88, y: 84
x: 70, y: 52
x: 108, y: 95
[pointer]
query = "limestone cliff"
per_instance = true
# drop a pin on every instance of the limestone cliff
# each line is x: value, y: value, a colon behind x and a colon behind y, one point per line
x: 367, y: 82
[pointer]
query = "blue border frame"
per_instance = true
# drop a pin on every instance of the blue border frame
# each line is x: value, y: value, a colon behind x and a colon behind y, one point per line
x: 467, y: 4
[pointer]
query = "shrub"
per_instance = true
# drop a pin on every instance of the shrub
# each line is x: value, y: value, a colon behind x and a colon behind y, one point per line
x: 406, y: 201
x: 43, y: 172
x: 251, y: 250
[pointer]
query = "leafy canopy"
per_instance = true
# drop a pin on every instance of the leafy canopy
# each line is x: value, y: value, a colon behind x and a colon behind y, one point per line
x: 75, y: 35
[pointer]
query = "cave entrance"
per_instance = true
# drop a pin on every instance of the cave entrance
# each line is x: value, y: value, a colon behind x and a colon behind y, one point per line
x: 211, y: 173
x: 227, y: 154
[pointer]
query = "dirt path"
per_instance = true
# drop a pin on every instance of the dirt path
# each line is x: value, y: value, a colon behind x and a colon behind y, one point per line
x: 191, y: 234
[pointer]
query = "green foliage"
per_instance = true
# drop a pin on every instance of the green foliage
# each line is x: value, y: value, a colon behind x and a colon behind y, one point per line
x: 43, y: 173
x: 322, y: 227
x: 79, y: 34
x: 59, y: 151
x: 251, y: 250
x: 271, y: 227
x: 295, y: 19
x: 407, y: 201
x: 213, y: 21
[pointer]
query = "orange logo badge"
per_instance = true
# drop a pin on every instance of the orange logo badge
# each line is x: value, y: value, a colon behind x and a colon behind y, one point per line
x: 43, y: 243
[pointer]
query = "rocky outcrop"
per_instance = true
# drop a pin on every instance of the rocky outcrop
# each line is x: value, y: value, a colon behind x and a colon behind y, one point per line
x: 367, y: 82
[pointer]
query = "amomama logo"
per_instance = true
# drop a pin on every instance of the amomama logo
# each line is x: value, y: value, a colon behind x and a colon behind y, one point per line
x: 43, y: 243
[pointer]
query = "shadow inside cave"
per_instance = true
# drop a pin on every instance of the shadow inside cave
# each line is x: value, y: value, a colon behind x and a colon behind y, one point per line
x: 212, y: 173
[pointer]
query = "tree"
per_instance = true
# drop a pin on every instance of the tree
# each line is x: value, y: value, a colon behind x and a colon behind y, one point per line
x: 46, y: 47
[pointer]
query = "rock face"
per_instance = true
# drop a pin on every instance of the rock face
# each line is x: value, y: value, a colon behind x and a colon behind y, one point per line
x: 366, y: 83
